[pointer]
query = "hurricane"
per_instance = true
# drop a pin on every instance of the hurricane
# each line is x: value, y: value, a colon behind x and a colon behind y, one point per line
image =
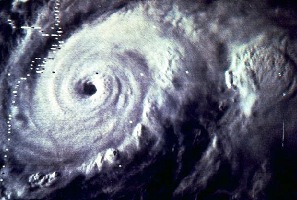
x: 147, y: 100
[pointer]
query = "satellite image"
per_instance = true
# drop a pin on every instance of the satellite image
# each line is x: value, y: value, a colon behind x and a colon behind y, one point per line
x: 148, y: 100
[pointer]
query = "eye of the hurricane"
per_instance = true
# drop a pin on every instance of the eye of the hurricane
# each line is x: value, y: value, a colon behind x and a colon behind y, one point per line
x: 89, y: 89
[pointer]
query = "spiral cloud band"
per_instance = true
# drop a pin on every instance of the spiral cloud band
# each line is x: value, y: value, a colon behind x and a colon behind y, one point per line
x: 128, y: 81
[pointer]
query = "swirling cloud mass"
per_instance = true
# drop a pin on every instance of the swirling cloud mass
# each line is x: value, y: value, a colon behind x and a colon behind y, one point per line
x: 148, y: 100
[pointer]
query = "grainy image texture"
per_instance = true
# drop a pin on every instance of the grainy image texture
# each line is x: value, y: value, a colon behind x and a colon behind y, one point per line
x: 146, y: 100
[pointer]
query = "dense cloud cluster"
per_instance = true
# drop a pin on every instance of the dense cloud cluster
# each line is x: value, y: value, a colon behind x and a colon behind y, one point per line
x: 148, y: 99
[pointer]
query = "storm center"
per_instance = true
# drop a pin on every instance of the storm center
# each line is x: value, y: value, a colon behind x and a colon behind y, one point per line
x: 89, y: 89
